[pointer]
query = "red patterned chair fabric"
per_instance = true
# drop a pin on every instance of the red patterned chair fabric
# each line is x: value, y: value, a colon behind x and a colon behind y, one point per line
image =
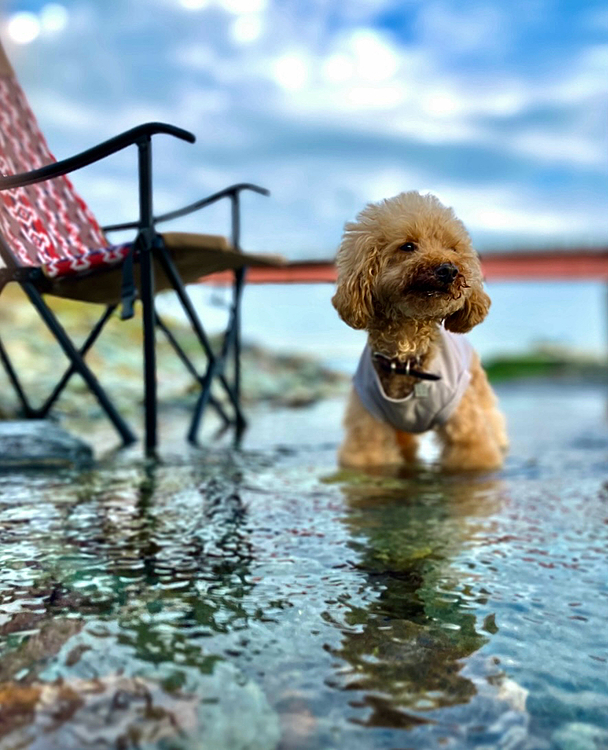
x: 95, y: 260
x: 46, y: 224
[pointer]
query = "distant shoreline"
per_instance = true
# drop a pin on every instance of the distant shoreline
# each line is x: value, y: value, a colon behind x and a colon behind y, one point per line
x: 546, y: 364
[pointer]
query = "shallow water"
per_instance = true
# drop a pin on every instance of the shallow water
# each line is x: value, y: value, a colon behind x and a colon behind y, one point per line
x: 261, y: 599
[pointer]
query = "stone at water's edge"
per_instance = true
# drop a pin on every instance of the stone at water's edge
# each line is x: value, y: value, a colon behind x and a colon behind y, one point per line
x: 38, y: 443
x: 228, y: 712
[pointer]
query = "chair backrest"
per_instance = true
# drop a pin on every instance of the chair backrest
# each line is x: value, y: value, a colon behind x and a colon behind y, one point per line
x: 43, y: 222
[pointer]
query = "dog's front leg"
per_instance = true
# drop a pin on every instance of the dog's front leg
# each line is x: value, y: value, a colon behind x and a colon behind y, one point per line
x: 368, y: 442
x: 474, y: 437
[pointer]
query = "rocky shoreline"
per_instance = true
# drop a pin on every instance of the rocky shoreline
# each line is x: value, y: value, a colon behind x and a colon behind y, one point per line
x: 280, y: 380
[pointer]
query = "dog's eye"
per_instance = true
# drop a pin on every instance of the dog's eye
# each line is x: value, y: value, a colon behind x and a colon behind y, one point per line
x: 408, y: 247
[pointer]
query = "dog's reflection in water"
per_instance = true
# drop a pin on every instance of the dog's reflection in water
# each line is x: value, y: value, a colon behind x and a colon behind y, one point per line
x: 402, y: 652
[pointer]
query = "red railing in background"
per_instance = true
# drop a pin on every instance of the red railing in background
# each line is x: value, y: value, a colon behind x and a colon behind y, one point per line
x: 521, y: 266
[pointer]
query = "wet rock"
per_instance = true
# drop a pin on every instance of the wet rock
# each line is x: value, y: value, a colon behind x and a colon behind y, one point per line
x: 33, y: 653
x: 279, y: 380
x: 35, y: 444
x: 130, y: 712
x: 513, y: 693
x: 117, y: 712
x: 287, y: 380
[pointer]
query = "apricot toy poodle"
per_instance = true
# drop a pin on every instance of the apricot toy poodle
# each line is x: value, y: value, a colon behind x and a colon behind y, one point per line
x: 408, y: 274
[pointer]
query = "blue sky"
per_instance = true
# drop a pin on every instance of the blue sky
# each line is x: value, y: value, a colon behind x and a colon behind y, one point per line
x: 499, y: 108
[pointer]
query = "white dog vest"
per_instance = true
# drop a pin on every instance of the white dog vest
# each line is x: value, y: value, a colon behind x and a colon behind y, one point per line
x: 431, y: 403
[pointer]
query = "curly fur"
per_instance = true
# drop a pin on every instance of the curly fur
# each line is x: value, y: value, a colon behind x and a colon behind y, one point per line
x: 395, y: 295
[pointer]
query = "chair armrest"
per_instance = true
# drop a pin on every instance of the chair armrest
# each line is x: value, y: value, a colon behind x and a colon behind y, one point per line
x: 231, y: 191
x: 192, y: 207
x: 111, y: 146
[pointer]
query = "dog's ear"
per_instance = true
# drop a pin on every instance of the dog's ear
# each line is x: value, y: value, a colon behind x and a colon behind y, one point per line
x: 473, y: 311
x: 357, y: 263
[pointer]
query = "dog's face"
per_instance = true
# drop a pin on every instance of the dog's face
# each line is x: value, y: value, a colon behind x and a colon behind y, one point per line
x: 409, y: 257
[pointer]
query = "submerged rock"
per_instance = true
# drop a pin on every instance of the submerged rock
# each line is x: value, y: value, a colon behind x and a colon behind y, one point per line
x: 116, y: 712
x: 128, y: 712
x: 46, y: 640
x: 37, y: 443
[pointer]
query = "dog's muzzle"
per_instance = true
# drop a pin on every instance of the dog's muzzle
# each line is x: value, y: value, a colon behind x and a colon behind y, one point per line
x: 439, y: 281
x: 446, y: 273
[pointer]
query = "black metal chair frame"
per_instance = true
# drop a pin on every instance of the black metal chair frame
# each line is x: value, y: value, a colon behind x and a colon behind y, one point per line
x: 148, y: 243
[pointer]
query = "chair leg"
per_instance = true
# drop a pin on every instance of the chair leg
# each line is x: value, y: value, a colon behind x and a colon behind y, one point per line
x: 91, y: 339
x: 190, y: 367
x: 239, y: 282
x: 178, y: 285
x: 201, y: 403
x: 28, y: 410
x: 216, y: 363
x: 146, y: 240
x: 78, y: 362
x: 239, y: 285
x: 216, y: 370
x: 230, y: 343
x: 150, y: 390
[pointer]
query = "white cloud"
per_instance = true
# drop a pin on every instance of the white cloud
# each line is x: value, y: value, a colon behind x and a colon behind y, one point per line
x: 59, y: 111
x: 388, y: 182
x: 194, y: 4
x: 434, y: 131
x: 246, y: 28
x: 584, y: 78
x: 195, y: 104
x: 509, y: 214
x: 54, y: 18
x: 442, y: 103
x: 338, y: 68
x: 200, y: 57
x: 291, y: 70
x: 375, y: 58
x: 331, y: 112
x: 23, y: 27
x: 506, y: 220
x: 562, y: 147
x: 373, y: 97
x: 243, y: 6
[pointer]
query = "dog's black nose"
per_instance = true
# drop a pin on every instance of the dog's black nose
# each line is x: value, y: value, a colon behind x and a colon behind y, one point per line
x: 446, y: 272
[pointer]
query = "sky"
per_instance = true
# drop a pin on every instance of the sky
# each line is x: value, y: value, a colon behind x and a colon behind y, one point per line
x: 500, y: 108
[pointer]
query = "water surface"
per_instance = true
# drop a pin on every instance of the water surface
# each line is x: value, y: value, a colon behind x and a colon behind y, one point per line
x: 261, y: 599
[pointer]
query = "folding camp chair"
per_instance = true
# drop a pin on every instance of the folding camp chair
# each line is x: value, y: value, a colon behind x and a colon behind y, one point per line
x: 50, y: 243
